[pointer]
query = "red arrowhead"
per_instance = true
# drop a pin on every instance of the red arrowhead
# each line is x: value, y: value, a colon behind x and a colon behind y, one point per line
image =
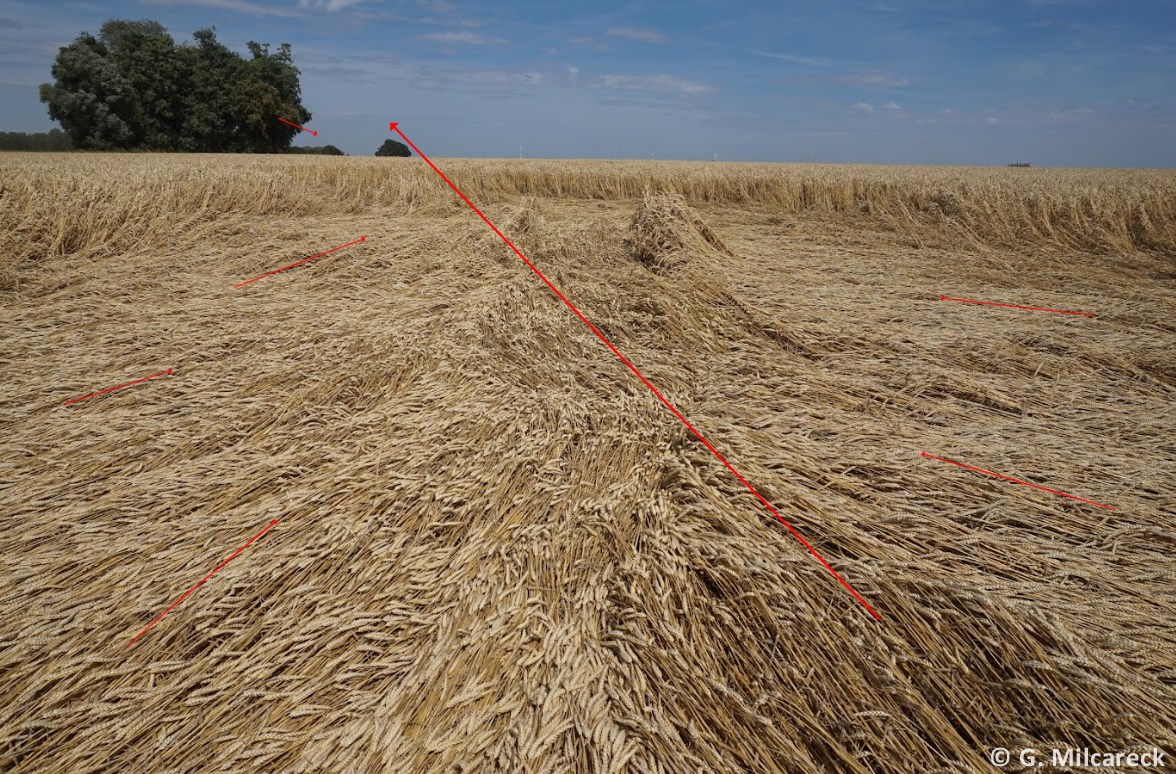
x: 392, y: 126
x: 362, y: 239
x: 941, y: 298
x: 315, y: 134
x: 169, y: 370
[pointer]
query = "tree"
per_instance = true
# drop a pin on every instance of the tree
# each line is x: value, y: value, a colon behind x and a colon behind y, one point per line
x: 146, y: 56
x: 121, y: 34
x: 53, y: 140
x: 212, y: 105
x: 133, y: 87
x: 90, y: 98
x: 270, y: 90
x: 393, y: 148
x: 318, y: 150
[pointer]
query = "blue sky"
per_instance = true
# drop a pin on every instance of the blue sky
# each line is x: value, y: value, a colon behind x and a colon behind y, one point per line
x: 1052, y: 82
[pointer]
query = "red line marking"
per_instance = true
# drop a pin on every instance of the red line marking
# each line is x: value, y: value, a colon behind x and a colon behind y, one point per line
x: 1014, y: 306
x: 128, y: 384
x: 206, y: 577
x: 639, y: 376
x: 1026, y: 483
x: 284, y: 121
x: 291, y: 266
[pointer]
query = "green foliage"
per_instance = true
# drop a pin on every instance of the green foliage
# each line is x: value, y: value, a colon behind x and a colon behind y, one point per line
x: 133, y: 87
x: 145, y: 55
x: 393, y: 148
x: 91, y: 99
x: 121, y: 34
x: 317, y: 150
x: 53, y: 140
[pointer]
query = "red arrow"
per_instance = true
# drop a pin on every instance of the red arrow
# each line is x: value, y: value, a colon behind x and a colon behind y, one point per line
x: 291, y: 266
x: 284, y: 121
x: 128, y: 384
x: 206, y: 577
x: 1018, y: 481
x: 1014, y: 306
x: 616, y: 352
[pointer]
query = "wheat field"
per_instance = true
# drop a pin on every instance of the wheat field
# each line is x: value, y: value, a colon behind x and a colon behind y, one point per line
x: 496, y: 550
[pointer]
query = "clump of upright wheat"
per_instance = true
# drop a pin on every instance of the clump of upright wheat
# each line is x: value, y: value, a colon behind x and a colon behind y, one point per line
x: 665, y: 232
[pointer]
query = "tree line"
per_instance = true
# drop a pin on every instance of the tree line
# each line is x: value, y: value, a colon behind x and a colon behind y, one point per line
x: 53, y: 140
x: 316, y: 150
x: 133, y: 87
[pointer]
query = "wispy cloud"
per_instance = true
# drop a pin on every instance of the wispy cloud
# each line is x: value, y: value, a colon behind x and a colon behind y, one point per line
x: 330, y: 6
x: 390, y: 16
x: 10, y: 24
x: 454, y: 38
x: 874, y: 80
x: 353, y: 74
x: 240, y: 6
x: 866, y: 107
x: 812, y: 61
x: 1071, y: 114
x: 663, y: 83
x: 635, y: 34
x: 1047, y: 24
x: 481, y: 79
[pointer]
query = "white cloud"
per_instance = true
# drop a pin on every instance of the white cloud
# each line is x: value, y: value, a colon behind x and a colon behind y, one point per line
x: 863, y: 107
x: 633, y: 33
x: 452, y: 38
x: 815, y: 61
x: 667, y: 83
x: 330, y: 6
x: 1063, y: 115
x: 241, y: 6
x: 892, y: 106
x: 480, y: 77
x: 991, y: 121
x: 573, y: 71
x: 874, y: 79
